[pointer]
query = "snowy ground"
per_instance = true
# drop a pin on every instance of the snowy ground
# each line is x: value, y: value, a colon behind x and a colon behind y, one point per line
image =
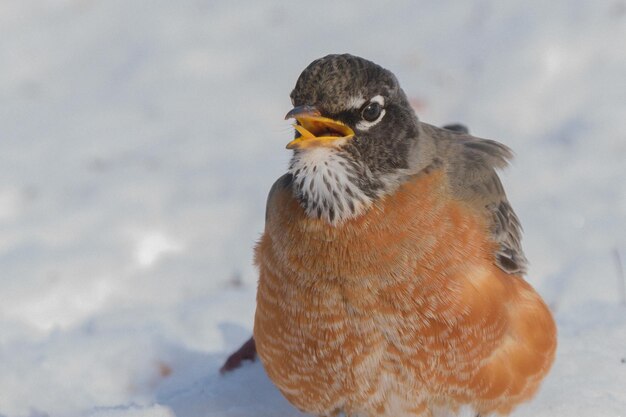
x: 138, y: 140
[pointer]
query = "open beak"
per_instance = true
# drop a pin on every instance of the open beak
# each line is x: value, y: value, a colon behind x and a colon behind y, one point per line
x: 315, y: 130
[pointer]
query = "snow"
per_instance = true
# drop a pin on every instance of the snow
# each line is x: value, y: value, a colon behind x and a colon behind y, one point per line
x: 138, y: 141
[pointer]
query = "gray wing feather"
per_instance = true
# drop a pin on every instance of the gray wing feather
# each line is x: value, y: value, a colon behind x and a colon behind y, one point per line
x: 471, y: 163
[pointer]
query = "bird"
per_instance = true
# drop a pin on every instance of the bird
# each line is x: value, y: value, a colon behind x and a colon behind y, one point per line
x: 391, y: 271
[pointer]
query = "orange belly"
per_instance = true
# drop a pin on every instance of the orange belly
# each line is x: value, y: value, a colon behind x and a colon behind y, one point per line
x: 399, y: 312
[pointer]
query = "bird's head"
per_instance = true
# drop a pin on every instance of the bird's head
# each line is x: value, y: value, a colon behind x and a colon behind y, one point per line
x: 343, y: 101
x: 356, y: 135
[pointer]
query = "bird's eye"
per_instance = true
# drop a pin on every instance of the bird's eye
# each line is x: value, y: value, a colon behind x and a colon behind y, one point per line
x: 371, y: 112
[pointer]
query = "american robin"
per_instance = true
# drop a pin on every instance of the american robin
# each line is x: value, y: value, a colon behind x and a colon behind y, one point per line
x: 391, y: 271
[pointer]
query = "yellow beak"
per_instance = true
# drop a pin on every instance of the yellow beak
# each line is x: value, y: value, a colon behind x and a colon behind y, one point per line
x: 315, y: 130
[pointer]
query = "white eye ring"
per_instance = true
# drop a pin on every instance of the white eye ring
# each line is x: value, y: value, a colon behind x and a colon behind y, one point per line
x: 366, y: 125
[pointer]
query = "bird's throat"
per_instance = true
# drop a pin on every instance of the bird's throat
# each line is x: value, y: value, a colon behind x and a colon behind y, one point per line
x: 330, y: 185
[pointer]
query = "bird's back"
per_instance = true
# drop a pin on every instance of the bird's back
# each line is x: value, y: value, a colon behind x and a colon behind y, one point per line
x: 401, y: 311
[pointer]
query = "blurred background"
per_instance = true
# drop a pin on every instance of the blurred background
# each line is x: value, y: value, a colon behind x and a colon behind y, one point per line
x: 138, y: 141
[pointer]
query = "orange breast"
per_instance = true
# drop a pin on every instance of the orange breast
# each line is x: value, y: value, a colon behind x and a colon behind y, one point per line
x: 401, y: 310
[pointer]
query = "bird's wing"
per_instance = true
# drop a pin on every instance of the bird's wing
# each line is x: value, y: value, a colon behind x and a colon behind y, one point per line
x: 281, y: 184
x: 471, y: 164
